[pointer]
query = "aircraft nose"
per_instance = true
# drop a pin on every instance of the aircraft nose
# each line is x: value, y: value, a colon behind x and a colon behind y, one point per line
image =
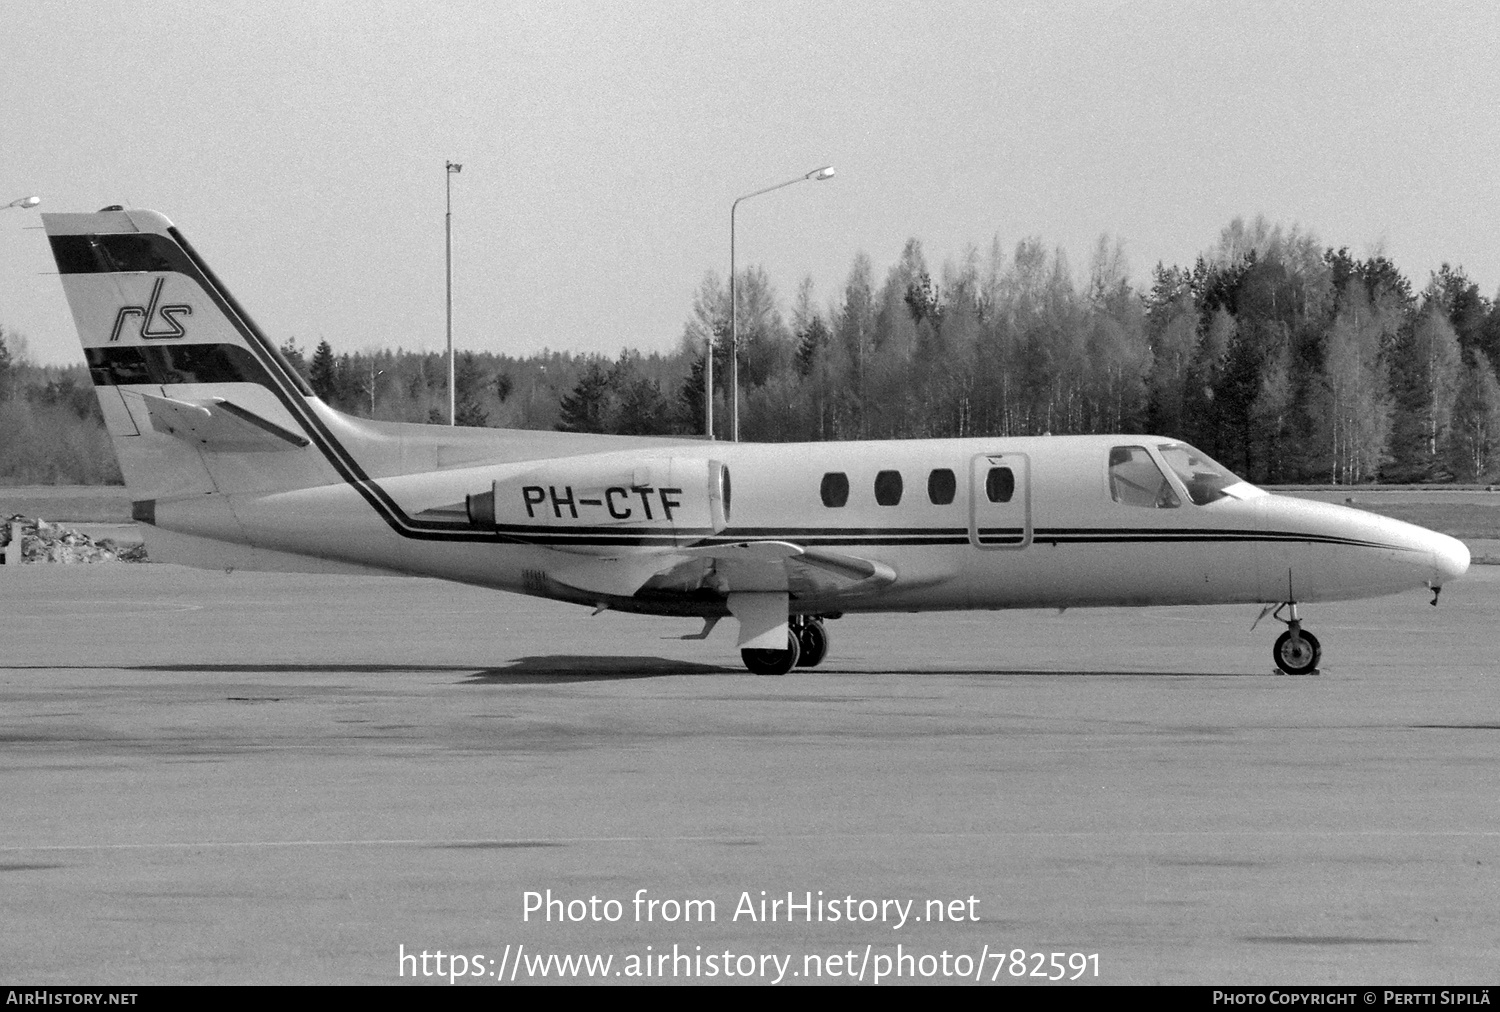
x: 1450, y: 558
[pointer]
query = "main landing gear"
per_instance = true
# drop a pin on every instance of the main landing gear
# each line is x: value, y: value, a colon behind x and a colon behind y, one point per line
x: 1297, y: 651
x: 806, y: 646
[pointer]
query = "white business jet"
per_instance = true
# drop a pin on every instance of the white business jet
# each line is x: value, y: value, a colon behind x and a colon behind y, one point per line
x: 231, y: 461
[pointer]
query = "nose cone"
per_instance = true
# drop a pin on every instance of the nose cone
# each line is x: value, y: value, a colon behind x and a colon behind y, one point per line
x: 1322, y: 552
x: 1450, y: 558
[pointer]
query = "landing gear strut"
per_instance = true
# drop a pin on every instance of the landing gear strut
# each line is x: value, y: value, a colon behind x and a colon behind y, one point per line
x: 1297, y: 652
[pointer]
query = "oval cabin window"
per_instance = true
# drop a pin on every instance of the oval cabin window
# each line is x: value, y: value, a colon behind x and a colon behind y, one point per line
x: 835, y: 490
x: 941, y: 486
x: 888, y: 488
x: 999, y: 484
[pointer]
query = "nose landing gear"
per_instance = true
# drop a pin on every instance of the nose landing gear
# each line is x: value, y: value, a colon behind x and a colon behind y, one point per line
x: 1297, y: 651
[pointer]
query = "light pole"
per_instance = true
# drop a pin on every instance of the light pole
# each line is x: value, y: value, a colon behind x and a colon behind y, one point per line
x: 448, y: 238
x: 23, y: 202
x: 826, y: 172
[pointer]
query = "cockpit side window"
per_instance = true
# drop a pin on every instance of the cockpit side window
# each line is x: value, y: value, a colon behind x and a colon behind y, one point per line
x: 1204, y: 478
x: 1135, y: 480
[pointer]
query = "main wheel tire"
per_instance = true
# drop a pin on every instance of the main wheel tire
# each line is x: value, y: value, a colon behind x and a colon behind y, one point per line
x: 813, y: 639
x: 773, y: 662
x: 1297, y: 654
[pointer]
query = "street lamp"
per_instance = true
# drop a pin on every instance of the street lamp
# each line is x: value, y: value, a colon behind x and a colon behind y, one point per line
x: 23, y: 202
x: 826, y: 172
x: 448, y: 238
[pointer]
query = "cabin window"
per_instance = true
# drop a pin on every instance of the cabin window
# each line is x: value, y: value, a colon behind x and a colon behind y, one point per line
x: 1135, y: 480
x: 941, y: 486
x: 999, y: 484
x: 888, y: 488
x: 835, y: 489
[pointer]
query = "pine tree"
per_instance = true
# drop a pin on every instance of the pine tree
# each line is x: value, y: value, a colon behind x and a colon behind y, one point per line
x: 1467, y: 310
x: 690, y: 399
x: 1172, y: 322
x: 322, y: 375
x: 587, y: 408
x: 811, y: 341
x: 469, y: 380
x: 642, y: 410
x: 294, y: 356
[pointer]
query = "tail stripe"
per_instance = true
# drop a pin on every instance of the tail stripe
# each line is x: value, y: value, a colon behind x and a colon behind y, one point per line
x: 334, y: 451
x: 118, y: 253
x: 175, y: 363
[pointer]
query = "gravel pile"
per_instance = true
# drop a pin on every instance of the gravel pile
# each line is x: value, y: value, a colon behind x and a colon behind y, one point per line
x: 44, y: 542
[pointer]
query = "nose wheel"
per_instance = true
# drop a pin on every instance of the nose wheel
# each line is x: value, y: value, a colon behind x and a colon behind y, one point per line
x: 1297, y: 651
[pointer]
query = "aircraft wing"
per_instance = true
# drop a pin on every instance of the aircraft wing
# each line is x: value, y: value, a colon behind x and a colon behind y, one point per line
x: 764, y: 566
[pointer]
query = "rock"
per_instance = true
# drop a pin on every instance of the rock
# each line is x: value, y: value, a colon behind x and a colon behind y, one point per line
x: 44, y: 542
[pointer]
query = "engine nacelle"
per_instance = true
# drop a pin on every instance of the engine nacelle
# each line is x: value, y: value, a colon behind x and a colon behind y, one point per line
x: 608, y: 506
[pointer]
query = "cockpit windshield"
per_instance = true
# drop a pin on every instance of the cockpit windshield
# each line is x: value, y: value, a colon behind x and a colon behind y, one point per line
x: 1206, y: 480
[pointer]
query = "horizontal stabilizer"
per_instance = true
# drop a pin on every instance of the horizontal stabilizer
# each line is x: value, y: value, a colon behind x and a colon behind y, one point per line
x: 218, y: 425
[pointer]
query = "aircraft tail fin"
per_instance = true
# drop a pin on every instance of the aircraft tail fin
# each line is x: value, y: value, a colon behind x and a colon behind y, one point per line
x: 195, y: 397
x: 210, y: 422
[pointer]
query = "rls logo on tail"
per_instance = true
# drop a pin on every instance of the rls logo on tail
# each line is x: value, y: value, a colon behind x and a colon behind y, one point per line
x: 147, y: 315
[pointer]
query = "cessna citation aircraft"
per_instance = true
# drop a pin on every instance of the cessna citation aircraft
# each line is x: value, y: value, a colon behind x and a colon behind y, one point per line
x: 231, y: 461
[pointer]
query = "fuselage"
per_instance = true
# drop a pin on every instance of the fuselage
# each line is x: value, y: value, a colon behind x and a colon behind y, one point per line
x: 919, y: 508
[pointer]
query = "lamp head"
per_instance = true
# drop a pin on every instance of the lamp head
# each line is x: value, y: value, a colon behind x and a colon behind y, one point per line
x: 826, y: 172
x: 25, y: 202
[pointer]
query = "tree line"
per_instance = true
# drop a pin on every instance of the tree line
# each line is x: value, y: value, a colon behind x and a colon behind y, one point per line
x: 51, y: 431
x: 1288, y: 360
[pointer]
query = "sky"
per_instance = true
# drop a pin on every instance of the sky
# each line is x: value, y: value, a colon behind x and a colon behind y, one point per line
x: 301, y: 147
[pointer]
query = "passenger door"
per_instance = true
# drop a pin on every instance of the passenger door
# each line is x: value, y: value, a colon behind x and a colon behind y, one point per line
x: 1000, y: 500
